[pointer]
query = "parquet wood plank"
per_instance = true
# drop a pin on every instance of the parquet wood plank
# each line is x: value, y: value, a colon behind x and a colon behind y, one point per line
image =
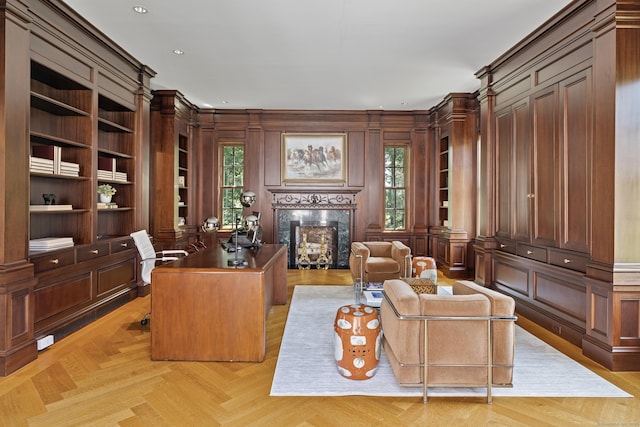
x: 103, y: 375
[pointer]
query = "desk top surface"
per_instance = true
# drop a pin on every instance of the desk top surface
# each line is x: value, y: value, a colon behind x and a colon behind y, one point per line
x: 217, y: 258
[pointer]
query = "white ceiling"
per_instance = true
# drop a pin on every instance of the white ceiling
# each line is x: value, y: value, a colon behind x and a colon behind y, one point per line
x: 317, y: 54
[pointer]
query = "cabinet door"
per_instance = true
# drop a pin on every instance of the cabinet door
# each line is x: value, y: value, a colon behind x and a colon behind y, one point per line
x: 522, y: 171
x: 504, y: 167
x: 575, y: 158
x: 545, y: 165
x: 513, y: 151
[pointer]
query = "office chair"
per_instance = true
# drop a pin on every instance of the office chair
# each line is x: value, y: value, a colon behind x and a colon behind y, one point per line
x: 149, y: 257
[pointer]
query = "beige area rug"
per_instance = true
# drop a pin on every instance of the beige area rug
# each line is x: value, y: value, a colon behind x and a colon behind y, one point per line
x: 306, y: 366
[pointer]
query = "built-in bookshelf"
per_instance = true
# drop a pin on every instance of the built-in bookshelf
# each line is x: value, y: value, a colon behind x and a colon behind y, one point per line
x: 443, y: 182
x: 183, y: 180
x: 60, y: 157
x: 173, y: 212
x: 116, y: 166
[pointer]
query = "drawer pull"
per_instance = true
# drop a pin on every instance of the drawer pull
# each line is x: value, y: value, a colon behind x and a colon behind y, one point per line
x: 502, y: 245
x: 529, y: 252
x: 94, y: 251
x: 54, y: 261
x: 567, y: 261
x: 124, y: 245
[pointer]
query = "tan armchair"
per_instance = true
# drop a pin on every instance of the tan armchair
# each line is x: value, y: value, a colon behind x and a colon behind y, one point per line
x: 379, y: 261
x: 468, y: 338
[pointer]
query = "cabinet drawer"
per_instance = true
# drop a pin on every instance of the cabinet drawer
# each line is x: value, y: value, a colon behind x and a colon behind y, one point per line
x: 507, y: 245
x: 120, y: 245
x: 50, y: 261
x: 570, y: 260
x: 85, y: 253
x: 532, y: 252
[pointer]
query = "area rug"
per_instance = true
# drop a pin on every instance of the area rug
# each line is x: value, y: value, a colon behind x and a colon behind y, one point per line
x: 306, y: 366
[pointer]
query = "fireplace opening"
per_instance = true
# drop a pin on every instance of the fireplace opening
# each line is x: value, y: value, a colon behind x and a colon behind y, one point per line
x: 314, y: 245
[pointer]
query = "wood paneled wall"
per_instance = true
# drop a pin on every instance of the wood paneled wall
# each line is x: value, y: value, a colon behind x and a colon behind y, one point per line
x: 367, y: 132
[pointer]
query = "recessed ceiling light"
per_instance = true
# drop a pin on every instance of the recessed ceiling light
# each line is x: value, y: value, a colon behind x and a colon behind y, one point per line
x: 140, y: 9
x: 178, y: 51
x: 225, y: 102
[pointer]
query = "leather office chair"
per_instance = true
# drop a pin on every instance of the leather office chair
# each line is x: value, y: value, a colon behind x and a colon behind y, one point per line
x: 149, y: 257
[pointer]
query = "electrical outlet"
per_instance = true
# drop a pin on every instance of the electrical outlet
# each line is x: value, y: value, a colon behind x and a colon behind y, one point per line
x: 557, y: 329
x: 45, y: 342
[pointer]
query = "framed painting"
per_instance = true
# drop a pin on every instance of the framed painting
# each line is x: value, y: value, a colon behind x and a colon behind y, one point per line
x: 314, y: 158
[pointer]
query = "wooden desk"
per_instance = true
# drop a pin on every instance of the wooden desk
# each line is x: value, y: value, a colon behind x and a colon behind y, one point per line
x: 201, y: 309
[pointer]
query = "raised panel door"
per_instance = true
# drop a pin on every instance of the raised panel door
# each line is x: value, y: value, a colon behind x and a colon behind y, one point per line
x: 575, y: 158
x: 522, y: 171
x: 545, y: 196
x: 504, y: 167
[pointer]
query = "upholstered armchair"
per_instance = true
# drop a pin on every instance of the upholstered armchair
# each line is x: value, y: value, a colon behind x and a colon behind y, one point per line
x: 379, y: 261
x: 466, y: 339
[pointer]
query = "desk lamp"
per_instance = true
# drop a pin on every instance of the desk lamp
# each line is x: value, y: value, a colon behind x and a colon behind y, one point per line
x: 247, y: 199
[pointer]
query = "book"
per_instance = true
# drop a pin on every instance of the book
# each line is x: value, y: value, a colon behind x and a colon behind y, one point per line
x: 373, y: 286
x: 373, y: 298
x: 109, y: 205
x: 50, y: 243
x: 49, y: 208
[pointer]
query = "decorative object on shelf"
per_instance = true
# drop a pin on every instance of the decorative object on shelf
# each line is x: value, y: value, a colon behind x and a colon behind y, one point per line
x: 106, y: 192
x: 49, y: 199
x: 357, y: 341
x: 181, y: 221
x: 314, y: 158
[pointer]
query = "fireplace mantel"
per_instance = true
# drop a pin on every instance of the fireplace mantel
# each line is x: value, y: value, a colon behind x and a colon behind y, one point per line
x: 287, y: 199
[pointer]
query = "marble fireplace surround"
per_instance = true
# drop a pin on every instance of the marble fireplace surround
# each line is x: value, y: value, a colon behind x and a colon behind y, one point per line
x: 315, y: 208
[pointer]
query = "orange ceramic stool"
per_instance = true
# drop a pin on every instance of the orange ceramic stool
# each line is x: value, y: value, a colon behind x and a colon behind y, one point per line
x: 425, y: 267
x: 357, y: 341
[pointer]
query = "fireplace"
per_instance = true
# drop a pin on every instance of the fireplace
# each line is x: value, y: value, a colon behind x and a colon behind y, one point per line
x: 314, y: 244
x: 316, y: 215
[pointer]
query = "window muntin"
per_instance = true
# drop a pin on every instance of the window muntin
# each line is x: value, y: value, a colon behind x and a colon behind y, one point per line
x: 395, y: 187
x: 232, y: 169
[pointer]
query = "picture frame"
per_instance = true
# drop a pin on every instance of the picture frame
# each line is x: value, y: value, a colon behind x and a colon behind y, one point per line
x: 311, y: 158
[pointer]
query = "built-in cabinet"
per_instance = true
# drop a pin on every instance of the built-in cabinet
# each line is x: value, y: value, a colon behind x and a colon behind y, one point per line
x: 555, y: 132
x: 76, y: 105
x: 454, y: 128
x: 174, y: 222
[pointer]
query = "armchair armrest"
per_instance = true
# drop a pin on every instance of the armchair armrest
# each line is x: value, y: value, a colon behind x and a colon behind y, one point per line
x: 401, y: 253
x: 359, y: 255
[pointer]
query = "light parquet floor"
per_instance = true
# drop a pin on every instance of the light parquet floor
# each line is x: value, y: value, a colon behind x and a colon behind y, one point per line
x: 102, y: 376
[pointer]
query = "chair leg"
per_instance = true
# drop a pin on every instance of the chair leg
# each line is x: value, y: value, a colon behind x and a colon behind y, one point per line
x: 145, y: 319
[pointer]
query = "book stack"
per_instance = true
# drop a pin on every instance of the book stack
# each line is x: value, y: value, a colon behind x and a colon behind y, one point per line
x: 50, y: 243
x: 109, y: 205
x: 69, y: 169
x: 49, y: 208
x: 107, y: 170
x: 48, y: 159
x: 40, y: 165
